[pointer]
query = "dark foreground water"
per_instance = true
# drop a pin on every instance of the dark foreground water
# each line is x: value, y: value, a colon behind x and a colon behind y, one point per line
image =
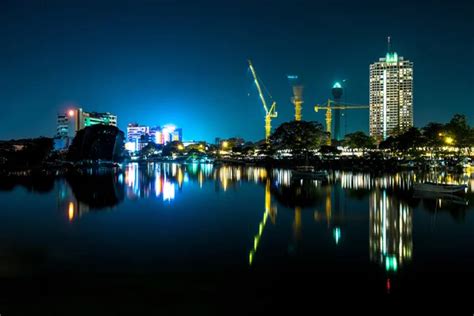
x: 197, y: 239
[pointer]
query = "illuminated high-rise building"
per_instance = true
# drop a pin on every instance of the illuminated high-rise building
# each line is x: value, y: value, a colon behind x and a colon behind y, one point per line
x: 391, y: 95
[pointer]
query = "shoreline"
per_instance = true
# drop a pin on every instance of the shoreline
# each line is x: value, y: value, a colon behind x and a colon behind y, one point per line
x: 368, y: 165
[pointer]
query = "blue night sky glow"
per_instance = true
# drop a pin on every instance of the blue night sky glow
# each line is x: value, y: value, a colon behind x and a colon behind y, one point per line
x: 185, y: 62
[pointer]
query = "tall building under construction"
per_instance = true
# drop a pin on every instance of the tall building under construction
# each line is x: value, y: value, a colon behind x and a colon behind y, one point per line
x: 391, y: 95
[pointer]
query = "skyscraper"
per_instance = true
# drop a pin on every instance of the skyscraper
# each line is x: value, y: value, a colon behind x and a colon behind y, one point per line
x: 391, y: 95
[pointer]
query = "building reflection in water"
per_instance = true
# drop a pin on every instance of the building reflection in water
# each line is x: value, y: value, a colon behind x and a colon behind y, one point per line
x: 390, y: 216
x: 153, y: 180
x: 390, y: 230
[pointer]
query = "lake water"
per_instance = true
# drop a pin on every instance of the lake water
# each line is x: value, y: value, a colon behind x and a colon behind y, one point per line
x: 191, y: 238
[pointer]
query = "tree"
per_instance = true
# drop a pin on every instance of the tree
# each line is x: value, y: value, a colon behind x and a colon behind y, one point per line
x: 358, y: 140
x: 431, y: 134
x: 150, y: 149
x: 104, y: 142
x: 173, y: 147
x: 390, y: 143
x: 197, y: 147
x: 25, y: 152
x: 459, y: 131
x: 329, y: 150
x: 409, y: 141
x: 298, y: 136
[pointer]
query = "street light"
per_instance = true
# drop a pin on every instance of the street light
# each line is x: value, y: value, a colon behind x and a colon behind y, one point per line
x: 449, y: 140
x: 225, y: 144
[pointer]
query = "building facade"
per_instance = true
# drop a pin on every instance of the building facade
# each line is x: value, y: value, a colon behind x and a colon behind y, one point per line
x: 69, y: 123
x: 62, y: 128
x: 391, y: 96
x: 136, y: 131
x: 138, y: 136
x: 84, y: 119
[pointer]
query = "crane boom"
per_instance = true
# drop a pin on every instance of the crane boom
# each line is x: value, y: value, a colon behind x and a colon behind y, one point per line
x: 269, y: 112
x: 329, y: 109
x: 260, y: 93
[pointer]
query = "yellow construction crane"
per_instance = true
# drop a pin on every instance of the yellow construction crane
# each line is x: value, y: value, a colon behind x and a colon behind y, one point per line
x: 297, y: 98
x: 336, y: 106
x: 270, y: 112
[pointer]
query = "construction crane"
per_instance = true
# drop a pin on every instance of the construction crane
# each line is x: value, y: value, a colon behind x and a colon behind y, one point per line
x: 336, y: 106
x: 270, y: 112
x: 297, y: 98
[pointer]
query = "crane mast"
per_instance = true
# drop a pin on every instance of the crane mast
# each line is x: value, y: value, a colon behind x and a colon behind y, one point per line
x: 269, y: 112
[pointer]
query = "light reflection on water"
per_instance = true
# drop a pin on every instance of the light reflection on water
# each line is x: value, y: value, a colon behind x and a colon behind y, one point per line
x: 337, y: 207
x: 391, y: 218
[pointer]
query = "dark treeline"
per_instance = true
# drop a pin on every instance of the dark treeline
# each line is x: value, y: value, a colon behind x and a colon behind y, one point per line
x: 25, y: 153
x: 98, y: 142
x: 433, y: 137
x: 290, y: 143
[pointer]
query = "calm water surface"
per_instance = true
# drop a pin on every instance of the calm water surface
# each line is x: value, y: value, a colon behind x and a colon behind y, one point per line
x: 192, y: 231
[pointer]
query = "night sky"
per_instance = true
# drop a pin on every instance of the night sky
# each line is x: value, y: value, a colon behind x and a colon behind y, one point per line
x: 185, y: 62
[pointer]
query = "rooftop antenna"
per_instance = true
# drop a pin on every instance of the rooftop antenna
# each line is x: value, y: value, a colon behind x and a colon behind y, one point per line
x: 389, y: 46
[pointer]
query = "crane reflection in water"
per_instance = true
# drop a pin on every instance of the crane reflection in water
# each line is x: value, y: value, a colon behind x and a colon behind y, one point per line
x: 390, y: 200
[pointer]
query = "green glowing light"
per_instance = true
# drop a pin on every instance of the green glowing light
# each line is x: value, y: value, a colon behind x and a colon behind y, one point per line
x: 391, y: 57
x: 337, y: 85
x: 337, y: 234
x: 391, y: 263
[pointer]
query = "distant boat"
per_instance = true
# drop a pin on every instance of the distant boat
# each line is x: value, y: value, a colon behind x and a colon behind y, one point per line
x: 439, y: 187
x: 446, y: 197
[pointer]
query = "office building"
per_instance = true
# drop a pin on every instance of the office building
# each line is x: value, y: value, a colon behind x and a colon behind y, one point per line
x: 136, y: 131
x: 391, y: 96
x: 84, y: 119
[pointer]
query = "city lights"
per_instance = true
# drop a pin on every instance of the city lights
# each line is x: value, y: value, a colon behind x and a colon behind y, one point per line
x: 449, y: 140
x: 337, y: 235
x: 70, y: 211
x: 302, y: 119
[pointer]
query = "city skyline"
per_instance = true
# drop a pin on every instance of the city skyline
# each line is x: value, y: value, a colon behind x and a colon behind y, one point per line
x: 149, y: 67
